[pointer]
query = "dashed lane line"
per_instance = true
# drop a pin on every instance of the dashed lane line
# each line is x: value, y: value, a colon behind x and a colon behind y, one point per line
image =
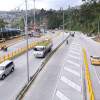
x: 72, y: 71
x: 69, y: 61
x: 61, y: 96
x: 75, y: 49
x: 76, y: 44
x: 72, y: 46
x: 78, y: 53
x: 74, y: 57
x: 71, y: 84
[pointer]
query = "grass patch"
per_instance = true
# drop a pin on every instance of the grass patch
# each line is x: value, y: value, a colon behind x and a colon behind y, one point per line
x: 97, y: 39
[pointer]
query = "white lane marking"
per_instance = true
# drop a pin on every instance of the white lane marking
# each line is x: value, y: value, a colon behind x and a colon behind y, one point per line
x: 75, y: 42
x: 74, y: 52
x: 79, y: 48
x: 58, y: 79
x: 74, y: 57
x: 71, y: 84
x: 75, y: 46
x: 61, y: 96
x: 96, y: 75
x: 72, y: 71
x: 69, y: 61
x: 75, y: 49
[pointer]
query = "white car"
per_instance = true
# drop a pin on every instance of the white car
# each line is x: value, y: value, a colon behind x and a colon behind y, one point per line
x: 5, y: 68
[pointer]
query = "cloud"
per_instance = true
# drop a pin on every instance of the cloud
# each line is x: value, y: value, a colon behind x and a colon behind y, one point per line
x: 46, y: 4
x: 56, y: 4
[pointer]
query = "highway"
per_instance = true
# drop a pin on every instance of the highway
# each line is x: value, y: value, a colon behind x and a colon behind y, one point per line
x: 61, y: 78
x: 22, y: 43
x: 14, y: 82
x: 92, y: 48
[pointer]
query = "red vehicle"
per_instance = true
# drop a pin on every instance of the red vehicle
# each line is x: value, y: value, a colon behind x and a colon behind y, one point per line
x: 72, y: 34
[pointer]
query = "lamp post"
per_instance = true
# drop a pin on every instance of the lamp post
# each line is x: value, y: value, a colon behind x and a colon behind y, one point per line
x: 34, y: 15
x: 26, y: 31
x: 63, y: 25
x: 98, y: 28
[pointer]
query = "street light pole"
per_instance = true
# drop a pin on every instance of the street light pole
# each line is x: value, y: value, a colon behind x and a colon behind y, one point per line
x: 63, y: 25
x: 19, y: 22
x: 34, y: 15
x: 98, y: 28
x: 26, y: 31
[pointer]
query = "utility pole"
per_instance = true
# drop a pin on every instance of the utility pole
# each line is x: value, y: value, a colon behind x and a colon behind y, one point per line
x: 34, y: 15
x: 98, y: 28
x: 19, y: 22
x: 26, y: 31
x: 63, y: 25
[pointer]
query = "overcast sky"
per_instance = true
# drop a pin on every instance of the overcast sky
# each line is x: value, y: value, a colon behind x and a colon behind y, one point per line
x: 7, y: 5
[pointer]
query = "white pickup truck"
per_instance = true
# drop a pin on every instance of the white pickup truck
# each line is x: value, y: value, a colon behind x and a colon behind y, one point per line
x: 41, y: 49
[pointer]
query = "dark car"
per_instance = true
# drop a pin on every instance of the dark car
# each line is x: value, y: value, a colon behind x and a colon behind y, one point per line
x: 89, y: 35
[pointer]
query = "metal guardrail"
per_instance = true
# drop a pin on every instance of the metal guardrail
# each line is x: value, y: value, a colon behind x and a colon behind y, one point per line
x: 89, y: 86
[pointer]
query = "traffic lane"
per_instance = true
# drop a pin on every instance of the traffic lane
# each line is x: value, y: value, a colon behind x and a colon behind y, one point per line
x: 56, y: 41
x: 22, y: 43
x: 44, y: 85
x: 18, y: 78
x: 70, y: 82
x: 60, y: 38
x: 92, y: 49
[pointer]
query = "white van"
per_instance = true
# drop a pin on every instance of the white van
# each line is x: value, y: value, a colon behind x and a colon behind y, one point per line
x: 5, y: 68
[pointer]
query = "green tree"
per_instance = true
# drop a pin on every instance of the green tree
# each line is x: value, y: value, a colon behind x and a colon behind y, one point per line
x: 2, y: 23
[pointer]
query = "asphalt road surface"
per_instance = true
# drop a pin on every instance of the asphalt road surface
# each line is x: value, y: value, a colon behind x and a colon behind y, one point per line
x: 22, y: 43
x: 61, y: 78
x: 14, y: 82
x: 92, y: 48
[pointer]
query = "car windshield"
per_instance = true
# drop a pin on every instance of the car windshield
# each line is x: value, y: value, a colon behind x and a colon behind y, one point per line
x: 2, y: 68
x: 38, y: 49
x: 97, y: 58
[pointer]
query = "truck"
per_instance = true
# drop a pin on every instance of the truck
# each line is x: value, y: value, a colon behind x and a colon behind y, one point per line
x: 42, y: 48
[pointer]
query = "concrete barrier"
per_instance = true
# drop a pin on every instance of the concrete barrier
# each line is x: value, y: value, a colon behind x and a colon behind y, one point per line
x: 22, y: 50
x: 10, y: 42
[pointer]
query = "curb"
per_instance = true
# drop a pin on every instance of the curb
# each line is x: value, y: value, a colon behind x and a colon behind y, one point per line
x: 89, y: 86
